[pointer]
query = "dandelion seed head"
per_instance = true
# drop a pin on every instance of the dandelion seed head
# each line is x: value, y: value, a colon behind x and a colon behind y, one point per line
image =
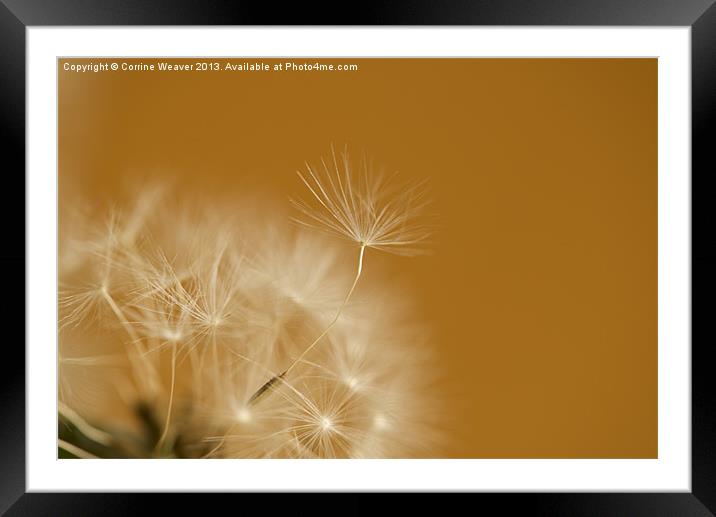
x: 172, y: 335
x: 363, y: 206
x: 380, y: 422
x: 326, y: 423
x: 222, y: 304
x: 243, y: 415
x: 352, y: 383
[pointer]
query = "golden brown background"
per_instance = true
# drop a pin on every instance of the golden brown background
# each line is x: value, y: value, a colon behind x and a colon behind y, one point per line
x: 542, y: 291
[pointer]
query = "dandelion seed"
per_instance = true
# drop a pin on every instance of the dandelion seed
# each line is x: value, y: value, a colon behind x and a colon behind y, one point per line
x: 264, y: 389
x: 364, y: 207
x: 303, y: 268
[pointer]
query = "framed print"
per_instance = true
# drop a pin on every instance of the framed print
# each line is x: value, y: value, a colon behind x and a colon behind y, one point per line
x: 435, y: 257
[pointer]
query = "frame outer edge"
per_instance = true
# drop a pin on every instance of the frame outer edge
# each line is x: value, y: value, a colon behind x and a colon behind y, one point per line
x: 12, y: 257
x: 703, y: 98
x: 12, y: 386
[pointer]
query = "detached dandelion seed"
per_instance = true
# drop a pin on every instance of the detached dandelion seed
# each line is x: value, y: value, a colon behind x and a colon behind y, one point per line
x: 364, y: 208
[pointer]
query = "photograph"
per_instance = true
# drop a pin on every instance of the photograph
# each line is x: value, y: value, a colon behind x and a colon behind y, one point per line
x: 357, y: 258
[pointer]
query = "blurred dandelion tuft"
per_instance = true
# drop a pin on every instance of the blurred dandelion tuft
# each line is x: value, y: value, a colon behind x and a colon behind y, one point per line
x: 224, y: 333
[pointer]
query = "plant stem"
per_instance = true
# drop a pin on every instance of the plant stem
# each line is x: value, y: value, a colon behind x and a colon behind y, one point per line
x: 171, y: 398
x: 83, y: 427
x: 73, y: 449
x: 258, y: 394
x: 338, y: 313
x: 137, y: 362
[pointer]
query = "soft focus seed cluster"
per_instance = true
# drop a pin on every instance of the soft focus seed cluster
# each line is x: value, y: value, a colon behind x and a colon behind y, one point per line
x: 187, y: 311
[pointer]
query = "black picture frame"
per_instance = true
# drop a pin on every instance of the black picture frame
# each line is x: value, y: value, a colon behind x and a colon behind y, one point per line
x: 700, y: 15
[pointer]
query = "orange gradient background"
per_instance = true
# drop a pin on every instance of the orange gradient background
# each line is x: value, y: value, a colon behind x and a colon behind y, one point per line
x: 542, y: 289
